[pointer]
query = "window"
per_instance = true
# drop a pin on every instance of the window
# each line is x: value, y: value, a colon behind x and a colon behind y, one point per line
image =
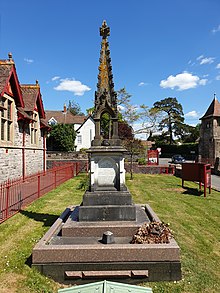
x: 79, y: 139
x: 34, y: 129
x: 6, y: 118
x: 208, y: 124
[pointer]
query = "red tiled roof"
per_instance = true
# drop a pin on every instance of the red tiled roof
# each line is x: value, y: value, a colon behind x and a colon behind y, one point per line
x: 44, y: 123
x: 29, y: 94
x: 23, y: 114
x: 5, y: 71
x: 213, y: 109
x: 32, y: 98
x: 8, y: 76
x: 64, y: 117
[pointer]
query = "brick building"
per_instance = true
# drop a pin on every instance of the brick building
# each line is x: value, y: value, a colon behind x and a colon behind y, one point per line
x: 23, y: 127
x: 209, y: 144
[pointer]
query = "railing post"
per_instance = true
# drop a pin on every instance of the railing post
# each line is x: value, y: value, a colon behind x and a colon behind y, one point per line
x: 205, y: 179
x: 7, y: 199
x: 55, y: 178
x: 38, y: 185
x: 77, y: 168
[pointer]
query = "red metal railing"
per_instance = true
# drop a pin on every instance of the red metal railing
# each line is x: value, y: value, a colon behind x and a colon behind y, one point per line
x: 16, y: 194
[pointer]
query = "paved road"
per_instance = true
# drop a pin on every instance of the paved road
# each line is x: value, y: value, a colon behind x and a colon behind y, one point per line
x: 215, y: 178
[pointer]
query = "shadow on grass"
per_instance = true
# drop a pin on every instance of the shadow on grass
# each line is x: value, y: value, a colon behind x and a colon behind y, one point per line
x: 28, y: 261
x: 47, y: 219
x: 192, y: 191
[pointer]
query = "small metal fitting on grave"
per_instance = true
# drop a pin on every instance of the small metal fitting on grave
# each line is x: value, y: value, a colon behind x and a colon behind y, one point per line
x: 105, y: 142
x: 108, y: 237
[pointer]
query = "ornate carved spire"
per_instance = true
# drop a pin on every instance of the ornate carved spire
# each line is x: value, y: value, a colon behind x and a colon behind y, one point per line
x: 105, y: 95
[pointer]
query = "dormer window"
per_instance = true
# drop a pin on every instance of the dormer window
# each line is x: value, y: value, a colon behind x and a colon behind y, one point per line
x: 52, y: 121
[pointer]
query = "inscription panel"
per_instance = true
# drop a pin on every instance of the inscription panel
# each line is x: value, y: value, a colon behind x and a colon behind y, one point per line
x: 107, y: 172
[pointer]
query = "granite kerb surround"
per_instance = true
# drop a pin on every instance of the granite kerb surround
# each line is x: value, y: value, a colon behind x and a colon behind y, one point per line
x: 81, y: 256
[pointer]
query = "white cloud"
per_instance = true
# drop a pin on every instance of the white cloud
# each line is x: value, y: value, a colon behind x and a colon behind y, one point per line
x: 29, y: 61
x: 193, y: 114
x: 203, y: 81
x: 206, y: 60
x: 217, y: 77
x: 74, y: 86
x: 182, y: 81
x: 218, y: 66
x: 216, y: 29
x: 142, y: 83
x: 200, y: 57
x: 55, y: 78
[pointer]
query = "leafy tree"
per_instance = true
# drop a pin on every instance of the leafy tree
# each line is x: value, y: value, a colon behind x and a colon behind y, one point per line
x: 106, y: 125
x: 61, y: 137
x: 89, y: 111
x: 173, y: 118
x: 161, y: 139
x: 125, y: 131
x: 190, y: 133
x: 74, y: 108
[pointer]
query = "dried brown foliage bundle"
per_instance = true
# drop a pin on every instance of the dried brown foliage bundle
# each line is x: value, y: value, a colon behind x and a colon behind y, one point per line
x: 151, y: 233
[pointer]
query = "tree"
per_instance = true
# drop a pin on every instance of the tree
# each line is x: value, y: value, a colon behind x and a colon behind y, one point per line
x: 161, y: 139
x: 123, y: 97
x: 134, y: 147
x: 129, y: 112
x: 125, y: 131
x: 173, y: 118
x: 150, y: 120
x: 61, y: 137
x: 74, y: 108
x: 190, y: 133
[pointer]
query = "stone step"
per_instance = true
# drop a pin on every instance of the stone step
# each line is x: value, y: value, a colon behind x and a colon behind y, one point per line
x: 107, y: 213
x: 107, y: 198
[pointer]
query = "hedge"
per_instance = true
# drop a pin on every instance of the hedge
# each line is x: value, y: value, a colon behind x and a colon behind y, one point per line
x: 187, y: 150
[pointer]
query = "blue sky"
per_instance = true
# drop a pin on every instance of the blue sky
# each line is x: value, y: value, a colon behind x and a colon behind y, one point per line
x: 158, y: 48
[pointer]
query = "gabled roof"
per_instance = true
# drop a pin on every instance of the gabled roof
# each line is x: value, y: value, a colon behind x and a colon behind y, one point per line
x: 213, y: 109
x: 23, y: 115
x: 44, y: 124
x: 64, y: 117
x: 89, y: 117
x: 32, y: 98
x: 9, y: 81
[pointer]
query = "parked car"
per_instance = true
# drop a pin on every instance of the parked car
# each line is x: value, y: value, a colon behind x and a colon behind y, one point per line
x: 178, y: 159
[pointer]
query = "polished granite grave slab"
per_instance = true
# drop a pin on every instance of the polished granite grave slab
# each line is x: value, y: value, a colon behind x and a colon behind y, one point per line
x: 72, y: 251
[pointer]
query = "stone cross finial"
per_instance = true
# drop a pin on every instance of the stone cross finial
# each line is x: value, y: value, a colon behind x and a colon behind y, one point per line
x: 104, y: 30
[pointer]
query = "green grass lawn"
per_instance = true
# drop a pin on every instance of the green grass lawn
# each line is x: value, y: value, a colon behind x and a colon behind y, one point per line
x: 195, y: 222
